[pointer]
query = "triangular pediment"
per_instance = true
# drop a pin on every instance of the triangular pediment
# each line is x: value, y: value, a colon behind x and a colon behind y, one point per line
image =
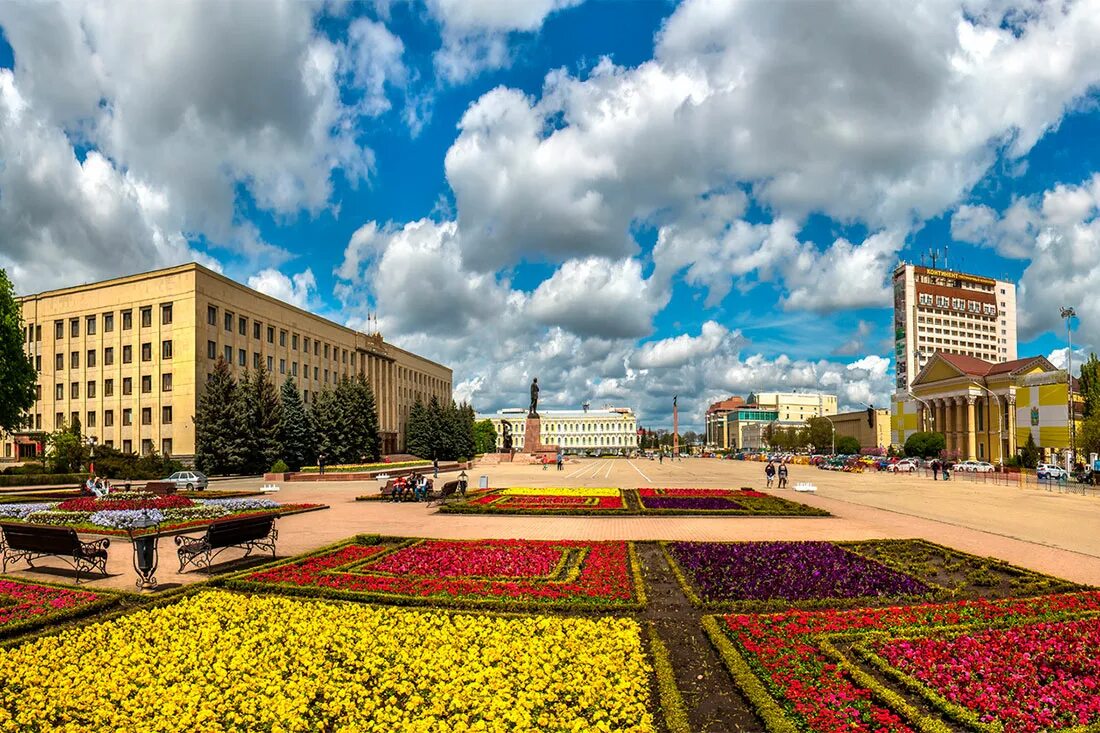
x: 936, y: 370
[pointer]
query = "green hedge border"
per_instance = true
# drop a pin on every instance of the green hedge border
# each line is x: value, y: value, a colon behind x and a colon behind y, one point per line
x: 237, y: 581
x: 669, y: 700
x: 366, y: 467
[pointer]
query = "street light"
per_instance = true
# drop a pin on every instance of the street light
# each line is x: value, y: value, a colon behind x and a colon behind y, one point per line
x: 1000, y: 421
x: 832, y: 433
x: 1068, y: 314
x: 91, y: 441
x: 927, y: 411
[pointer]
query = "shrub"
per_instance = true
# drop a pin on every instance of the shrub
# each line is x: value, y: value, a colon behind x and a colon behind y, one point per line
x: 42, y: 479
x: 280, y: 467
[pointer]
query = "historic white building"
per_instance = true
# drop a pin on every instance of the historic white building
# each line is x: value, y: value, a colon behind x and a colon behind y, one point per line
x: 610, y: 430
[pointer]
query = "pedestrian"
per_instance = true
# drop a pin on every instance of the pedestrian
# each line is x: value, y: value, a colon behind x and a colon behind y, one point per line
x: 935, y: 470
x: 435, y: 466
x: 560, y: 458
x: 769, y: 472
x: 661, y: 457
x: 783, y: 475
x: 947, y: 470
x: 321, y: 464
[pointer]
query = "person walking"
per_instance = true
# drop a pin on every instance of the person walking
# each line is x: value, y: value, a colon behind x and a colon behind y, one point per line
x: 661, y: 457
x: 935, y: 470
x: 435, y: 467
x: 560, y: 458
x: 783, y: 475
x: 769, y: 472
x: 321, y: 464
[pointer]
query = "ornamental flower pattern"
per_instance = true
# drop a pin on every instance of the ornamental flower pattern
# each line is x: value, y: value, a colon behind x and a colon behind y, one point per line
x: 23, y: 601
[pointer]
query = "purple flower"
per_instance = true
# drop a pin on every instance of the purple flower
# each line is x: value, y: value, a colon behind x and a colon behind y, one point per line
x: 792, y: 571
x: 701, y: 503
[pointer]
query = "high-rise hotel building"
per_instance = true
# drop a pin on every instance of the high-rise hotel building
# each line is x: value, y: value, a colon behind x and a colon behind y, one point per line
x: 128, y: 358
x: 953, y: 313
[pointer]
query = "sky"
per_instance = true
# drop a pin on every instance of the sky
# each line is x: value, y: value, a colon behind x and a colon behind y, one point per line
x: 629, y: 200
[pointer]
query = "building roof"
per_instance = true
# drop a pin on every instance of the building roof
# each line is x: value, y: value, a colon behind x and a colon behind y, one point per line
x: 729, y: 404
x: 981, y: 368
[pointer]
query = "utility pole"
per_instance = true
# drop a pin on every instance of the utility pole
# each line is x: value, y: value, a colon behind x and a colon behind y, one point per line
x: 1068, y: 314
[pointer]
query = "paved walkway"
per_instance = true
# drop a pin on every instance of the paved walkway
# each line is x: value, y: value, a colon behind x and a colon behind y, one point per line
x: 1049, y: 532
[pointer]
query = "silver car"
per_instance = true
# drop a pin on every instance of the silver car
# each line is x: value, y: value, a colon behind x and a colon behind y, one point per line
x: 189, y: 480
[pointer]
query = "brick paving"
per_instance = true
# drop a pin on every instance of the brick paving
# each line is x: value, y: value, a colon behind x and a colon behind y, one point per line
x: 1049, y: 532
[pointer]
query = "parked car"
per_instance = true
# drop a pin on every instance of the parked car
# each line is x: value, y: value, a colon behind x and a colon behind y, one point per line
x: 189, y: 480
x: 906, y: 466
x: 1050, y: 472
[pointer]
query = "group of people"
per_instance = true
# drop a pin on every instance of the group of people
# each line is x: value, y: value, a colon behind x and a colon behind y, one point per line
x: 414, y: 487
x: 770, y: 472
x: 96, y: 486
x: 941, y: 468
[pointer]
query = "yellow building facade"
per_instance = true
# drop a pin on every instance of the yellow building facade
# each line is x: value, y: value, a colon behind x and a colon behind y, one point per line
x: 872, y: 431
x: 985, y: 410
x: 128, y: 358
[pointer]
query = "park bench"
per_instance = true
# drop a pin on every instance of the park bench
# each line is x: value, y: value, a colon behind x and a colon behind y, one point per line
x: 387, y: 490
x: 30, y: 542
x: 161, y: 488
x: 247, y: 534
x: 448, y: 492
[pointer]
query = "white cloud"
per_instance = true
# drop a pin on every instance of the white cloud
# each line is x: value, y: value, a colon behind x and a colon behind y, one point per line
x: 680, y: 350
x: 857, y: 344
x: 299, y: 289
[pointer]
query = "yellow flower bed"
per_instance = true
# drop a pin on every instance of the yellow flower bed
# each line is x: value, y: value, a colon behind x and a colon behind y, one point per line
x: 586, y: 491
x: 219, y: 661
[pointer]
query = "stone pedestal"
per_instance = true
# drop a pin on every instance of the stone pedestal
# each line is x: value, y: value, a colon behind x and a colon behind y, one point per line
x: 532, y: 440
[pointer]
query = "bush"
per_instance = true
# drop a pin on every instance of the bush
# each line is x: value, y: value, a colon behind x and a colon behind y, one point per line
x: 42, y: 479
x: 279, y: 467
x: 924, y: 445
x: 114, y: 464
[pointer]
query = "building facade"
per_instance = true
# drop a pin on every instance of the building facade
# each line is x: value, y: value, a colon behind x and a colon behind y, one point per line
x: 736, y: 424
x: 986, y: 411
x: 952, y: 313
x: 128, y: 358
x: 795, y: 407
x: 870, y: 427
x: 610, y: 430
x: 717, y: 426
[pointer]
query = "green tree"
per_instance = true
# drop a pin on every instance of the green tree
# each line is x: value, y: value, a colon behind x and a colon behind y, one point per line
x: 1089, y: 385
x: 819, y: 434
x: 485, y: 437
x: 326, y: 420
x: 924, y: 445
x: 260, y: 415
x: 1029, y: 455
x: 66, y: 451
x: 362, y: 415
x: 219, y: 444
x: 847, y: 444
x: 464, y: 441
x: 17, y: 374
x: 417, y: 438
x: 1089, y: 437
x: 296, y: 434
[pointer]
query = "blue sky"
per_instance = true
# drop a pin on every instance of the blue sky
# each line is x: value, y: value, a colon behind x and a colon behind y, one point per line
x: 629, y: 200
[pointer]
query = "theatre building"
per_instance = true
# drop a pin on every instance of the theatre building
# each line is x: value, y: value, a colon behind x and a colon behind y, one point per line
x: 128, y: 358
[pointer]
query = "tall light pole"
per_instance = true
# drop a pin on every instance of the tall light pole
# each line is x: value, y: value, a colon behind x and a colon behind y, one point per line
x: 832, y: 434
x: 1068, y: 314
x: 927, y: 411
x: 1000, y: 425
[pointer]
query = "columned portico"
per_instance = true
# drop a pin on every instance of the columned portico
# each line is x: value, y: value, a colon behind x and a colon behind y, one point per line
x: 971, y: 429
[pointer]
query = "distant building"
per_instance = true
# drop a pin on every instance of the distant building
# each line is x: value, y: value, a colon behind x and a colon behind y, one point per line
x: 871, y: 427
x: 951, y: 313
x: 986, y: 410
x: 796, y: 407
x: 735, y: 424
x: 610, y: 430
x: 716, y: 424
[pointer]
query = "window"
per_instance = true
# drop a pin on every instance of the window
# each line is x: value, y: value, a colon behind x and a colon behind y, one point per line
x: 127, y: 418
x: 127, y: 385
x: 59, y: 419
x: 146, y: 351
x: 211, y: 315
x: 211, y: 350
x: 108, y: 322
x: 108, y: 418
x: 242, y: 357
x: 282, y: 338
x: 38, y: 363
x: 293, y: 368
x: 147, y: 416
x: 270, y: 364
x: 228, y: 321
x: 59, y: 391
x: 256, y: 330
x: 74, y: 327
x: 326, y: 351
x: 89, y: 325
x: 74, y: 360
x: 229, y: 355
x: 127, y: 446
x: 166, y: 349
x: 316, y: 348
x: 294, y: 341
x: 271, y: 334
x: 146, y: 384
x: 91, y: 358
x: 326, y: 376
x: 255, y: 360
x: 166, y: 314
x: 146, y: 446
x: 59, y: 329
x: 926, y: 299
x: 74, y: 417
x: 942, y: 301
x: 90, y: 389
x: 74, y: 391
x: 242, y: 326
x: 59, y: 362
x: 108, y: 387
x: 314, y: 374
x: 305, y: 344
x: 38, y: 332
x: 282, y: 366
x: 166, y: 415
x: 109, y: 356
x: 166, y: 382
x: 127, y: 320
x: 90, y: 422
x: 166, y: 446
x: 345, y: 356
x: 147, y: 316
x: 38, y: 391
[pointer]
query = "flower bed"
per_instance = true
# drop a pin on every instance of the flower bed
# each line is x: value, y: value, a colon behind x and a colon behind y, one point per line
x: 267, y: 663
x: 807, y: 670
x: 720, y: 501
x: 504, y: 503
x: 730, y: 572
x: 92, y: 504
x: 497, y: 573
x: 365, y: 467
x: 582, y: 491
x: 23, y: 604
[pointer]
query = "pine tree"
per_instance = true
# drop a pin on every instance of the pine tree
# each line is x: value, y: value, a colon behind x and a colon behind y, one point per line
x: 17, y: 374
x: 296, y: 433
x: 416, y: 431
x: 261, y: 413
x: 325, y: 420
x: 219, y: 447
x: 365, y: 414
x: 465, y: 440
x: 436, y: 426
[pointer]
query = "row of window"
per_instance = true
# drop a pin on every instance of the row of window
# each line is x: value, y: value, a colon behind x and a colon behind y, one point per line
x: 91, y: 418
x: 959, y: 304
x: 108, y: 387
x: 331, y: 351
x: 33, y: 332
x: 90, y: 356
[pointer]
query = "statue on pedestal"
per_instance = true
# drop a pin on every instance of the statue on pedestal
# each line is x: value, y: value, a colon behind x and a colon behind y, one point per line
x: 533, y: 412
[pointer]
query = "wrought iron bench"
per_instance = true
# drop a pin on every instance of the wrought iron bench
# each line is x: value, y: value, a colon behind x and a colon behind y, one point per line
x: 30, y: 542
x: 450, y: 490
x: 161, y: 488
x: 253, y: 533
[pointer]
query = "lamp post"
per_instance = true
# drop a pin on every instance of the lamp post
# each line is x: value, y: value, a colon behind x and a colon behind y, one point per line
x: 832, y: 433
x: 91, y: 441
x: 1000, y: 421
x: 927, y: 411
x: 1068, y: 314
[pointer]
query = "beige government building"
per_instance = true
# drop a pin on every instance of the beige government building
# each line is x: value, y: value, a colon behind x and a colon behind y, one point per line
x: 128, y: 357
x: 610, y: 430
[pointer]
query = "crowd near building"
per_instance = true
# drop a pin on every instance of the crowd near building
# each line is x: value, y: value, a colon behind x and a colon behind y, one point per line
x: 737, y: 424
x: 610, y: 430
x: 127, y: 358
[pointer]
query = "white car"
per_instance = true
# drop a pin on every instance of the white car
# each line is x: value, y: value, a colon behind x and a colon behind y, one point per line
x: 1050, y: 472
x: 904, y: 467
x: 974, y: 466
x: 188, y: 480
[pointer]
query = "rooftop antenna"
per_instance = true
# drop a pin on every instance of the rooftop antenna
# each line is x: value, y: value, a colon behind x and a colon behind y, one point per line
x: 934, y: 255
x: 945, y: 256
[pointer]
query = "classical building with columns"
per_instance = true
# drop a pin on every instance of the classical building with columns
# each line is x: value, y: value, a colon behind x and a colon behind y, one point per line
x: 986, y: 410
x: 128, y: 358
